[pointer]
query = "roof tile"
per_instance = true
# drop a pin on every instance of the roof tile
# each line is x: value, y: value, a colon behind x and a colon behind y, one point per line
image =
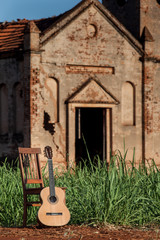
x: 12, y: 33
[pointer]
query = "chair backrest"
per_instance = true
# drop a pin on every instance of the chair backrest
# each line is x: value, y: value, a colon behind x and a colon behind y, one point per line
x: 30, y: 166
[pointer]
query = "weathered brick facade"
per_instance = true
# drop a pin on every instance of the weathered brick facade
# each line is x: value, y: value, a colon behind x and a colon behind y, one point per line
x: 84, y: 75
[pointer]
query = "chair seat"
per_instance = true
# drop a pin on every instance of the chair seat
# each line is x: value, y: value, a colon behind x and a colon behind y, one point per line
x: 34, y: 204
x: 34, y: 181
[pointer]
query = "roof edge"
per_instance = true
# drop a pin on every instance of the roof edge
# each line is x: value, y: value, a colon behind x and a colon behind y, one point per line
x: 78, y: 9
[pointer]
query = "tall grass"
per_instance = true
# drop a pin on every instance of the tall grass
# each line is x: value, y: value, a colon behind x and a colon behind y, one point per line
x: 118, y: 194
x: 96, y: 193
x: 11, y: 197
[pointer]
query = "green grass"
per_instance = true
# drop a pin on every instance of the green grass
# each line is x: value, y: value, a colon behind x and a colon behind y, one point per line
x: 96, y: 194
x: 11, y: 197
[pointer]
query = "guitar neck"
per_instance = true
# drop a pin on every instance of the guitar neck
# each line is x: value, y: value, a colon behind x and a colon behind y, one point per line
x: 51, y: 178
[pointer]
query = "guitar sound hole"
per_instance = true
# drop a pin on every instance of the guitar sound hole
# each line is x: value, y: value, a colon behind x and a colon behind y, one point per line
x: 53, y: 199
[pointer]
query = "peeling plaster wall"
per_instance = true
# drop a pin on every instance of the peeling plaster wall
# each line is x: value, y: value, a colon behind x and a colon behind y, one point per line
x: 150, y: 17
x: 73, y: 45
x: 135, y: 15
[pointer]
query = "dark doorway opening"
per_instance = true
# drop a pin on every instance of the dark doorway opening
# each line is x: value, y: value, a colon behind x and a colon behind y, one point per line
x: 90, y: 133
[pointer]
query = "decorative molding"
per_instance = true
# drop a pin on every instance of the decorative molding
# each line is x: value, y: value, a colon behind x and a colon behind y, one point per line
x: 92, y: 92
x: 91, y: 30
x: 89, y: 69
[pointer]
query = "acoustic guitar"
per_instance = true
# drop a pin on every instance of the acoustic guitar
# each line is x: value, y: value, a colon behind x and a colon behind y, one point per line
x: 53, y: 211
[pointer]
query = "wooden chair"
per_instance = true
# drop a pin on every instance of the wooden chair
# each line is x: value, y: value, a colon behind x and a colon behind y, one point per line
x: 31, y: 174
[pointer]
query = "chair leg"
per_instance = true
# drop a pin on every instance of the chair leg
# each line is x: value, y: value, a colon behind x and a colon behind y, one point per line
x: 25, y: 212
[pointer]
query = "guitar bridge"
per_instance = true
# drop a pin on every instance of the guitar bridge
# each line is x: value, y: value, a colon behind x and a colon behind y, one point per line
x: 53, y: 214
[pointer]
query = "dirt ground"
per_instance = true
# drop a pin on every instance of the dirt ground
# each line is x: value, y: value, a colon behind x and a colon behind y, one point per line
x: 71, y: 232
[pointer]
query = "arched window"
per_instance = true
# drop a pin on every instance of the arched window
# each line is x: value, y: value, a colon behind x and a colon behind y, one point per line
x: 128, y: 104
x: 3, y: 109
x: 18, y: 108
x: 51, y: 96
x: 51, y: 104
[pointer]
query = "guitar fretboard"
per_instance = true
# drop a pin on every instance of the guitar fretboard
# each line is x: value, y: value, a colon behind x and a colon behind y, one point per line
x: 51, y: 178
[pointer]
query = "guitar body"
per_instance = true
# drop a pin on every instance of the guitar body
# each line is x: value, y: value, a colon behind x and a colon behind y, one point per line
x: 53, y: 213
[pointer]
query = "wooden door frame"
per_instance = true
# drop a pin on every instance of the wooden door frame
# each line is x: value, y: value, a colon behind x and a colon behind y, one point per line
x: 71, y: 127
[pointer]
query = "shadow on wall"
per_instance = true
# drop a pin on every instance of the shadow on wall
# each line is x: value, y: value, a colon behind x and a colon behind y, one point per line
x: 47, y: 125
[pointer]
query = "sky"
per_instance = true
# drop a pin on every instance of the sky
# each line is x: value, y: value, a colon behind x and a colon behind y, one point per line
x: 33, y: 9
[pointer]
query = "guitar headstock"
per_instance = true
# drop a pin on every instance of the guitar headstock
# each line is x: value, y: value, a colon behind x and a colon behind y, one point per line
x: 48, y: 152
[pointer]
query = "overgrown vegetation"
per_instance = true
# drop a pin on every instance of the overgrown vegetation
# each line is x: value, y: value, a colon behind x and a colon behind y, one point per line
x: 96, y: 194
